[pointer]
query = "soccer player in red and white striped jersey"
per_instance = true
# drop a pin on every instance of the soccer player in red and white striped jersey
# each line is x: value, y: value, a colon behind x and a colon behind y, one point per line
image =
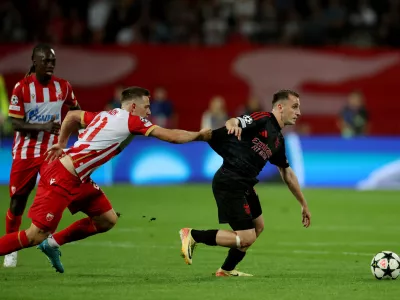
x: 66, y: 182
x: 35, y: 110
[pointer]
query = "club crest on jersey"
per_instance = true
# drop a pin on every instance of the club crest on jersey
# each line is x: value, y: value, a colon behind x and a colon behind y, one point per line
x: 59, y: 95
x: 49, y: 217
x: 14, y: 100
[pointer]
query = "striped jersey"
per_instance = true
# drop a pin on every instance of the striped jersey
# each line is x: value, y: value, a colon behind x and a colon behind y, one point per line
x: 107, y: 133
x: 36, y: 104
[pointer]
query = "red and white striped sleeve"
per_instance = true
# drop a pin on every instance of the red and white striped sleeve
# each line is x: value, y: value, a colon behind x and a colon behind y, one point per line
x: 87, y: 117
x: 140, y: 126
x: 70, y: 100
x: 16, y: 108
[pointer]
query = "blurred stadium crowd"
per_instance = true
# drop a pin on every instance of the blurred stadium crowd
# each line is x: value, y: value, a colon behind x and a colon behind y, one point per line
x: 362, y: 23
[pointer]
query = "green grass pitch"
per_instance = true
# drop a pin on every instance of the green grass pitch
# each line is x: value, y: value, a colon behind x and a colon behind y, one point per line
x: 139, y: 258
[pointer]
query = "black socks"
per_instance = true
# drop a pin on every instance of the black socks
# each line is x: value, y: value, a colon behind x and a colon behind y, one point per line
x: 235, y: 256
x: 208, y: 237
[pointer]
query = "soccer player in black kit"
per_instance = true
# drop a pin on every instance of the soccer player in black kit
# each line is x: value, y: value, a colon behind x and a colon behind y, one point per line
x: 246, y: 144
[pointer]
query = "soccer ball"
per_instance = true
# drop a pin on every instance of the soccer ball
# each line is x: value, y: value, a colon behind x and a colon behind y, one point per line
x: 385, y: 264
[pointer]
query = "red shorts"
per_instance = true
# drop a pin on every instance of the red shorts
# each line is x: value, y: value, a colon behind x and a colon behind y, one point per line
x: 24, y: 174
x: 59, y: 189
x: 91, y: 200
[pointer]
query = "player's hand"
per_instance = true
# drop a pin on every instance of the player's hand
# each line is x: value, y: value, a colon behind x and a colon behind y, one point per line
x: 306, y: 216
x: 205, y: 134
x: 234, y: 129
x: 52, y: 127
x: 54, y: 153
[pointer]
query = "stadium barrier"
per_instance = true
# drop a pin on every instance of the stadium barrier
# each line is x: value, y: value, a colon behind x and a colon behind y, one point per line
x: 364, y: 163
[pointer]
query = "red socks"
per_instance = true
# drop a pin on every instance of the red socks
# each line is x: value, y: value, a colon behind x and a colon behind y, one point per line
x: 13, y: 242
x: 77, y: 231
x: 12, y: 222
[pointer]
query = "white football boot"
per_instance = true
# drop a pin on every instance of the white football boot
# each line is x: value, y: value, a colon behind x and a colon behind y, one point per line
x: 10, y: 260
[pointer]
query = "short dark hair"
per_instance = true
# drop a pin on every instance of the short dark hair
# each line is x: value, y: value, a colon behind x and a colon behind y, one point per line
x: 133, y: 92
x: 283, y: 95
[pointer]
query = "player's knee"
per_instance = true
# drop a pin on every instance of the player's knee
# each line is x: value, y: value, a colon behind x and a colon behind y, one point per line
x: 259, y: 229
x: 36, y: 236
x: 105, y: 223
x: 246, y: 238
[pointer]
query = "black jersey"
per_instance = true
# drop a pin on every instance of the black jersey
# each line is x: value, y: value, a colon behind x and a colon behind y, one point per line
x: 261, y: 141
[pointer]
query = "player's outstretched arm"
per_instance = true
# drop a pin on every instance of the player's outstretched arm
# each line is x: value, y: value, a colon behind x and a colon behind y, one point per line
x: 290, y: 178
x: 178, y: 136
x: 71, y: 123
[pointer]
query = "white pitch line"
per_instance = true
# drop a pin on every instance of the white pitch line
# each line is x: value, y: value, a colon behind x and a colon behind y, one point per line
x: 333, y: 244
x: 346, y: 228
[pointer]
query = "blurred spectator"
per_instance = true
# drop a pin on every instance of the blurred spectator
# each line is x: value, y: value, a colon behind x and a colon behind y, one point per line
x: 215, y: 28
x: 291, y: 31
x: 252, y: 105
x: 115, y: 101
x: 76, y: 28
x: 123, y: 15
x: 362, y: 22
x: 56, y: 29
x: 12, y: 28
x: 335, y: 16
x: 162, y: 111
x: 208, y: 22
x: 216, y: 115
x: 364, y: 16
x: 353, y: 120
x: 389, y: 31
x: 98, y: 13
x: 315, y: 27
x: 267, y: 20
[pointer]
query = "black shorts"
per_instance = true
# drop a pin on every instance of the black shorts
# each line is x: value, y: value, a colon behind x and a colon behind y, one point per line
x: 238, y: 204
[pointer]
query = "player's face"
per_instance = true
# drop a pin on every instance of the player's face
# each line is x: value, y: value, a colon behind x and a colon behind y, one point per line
x: 45, y: 62
x: 290, y: 110
x: 142, y: 108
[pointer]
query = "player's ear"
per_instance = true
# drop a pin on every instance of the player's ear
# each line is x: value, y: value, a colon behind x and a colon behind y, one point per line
x: 133, y: 106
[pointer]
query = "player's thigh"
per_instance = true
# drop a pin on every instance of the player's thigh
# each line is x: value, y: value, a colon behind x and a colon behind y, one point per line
x: 256, y: 210
x: 254, y: 203
x: 91, y: 201
x: 233, y: 208
x: 48, y: 206
x: 230, y: 196
x: 23, y: 176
